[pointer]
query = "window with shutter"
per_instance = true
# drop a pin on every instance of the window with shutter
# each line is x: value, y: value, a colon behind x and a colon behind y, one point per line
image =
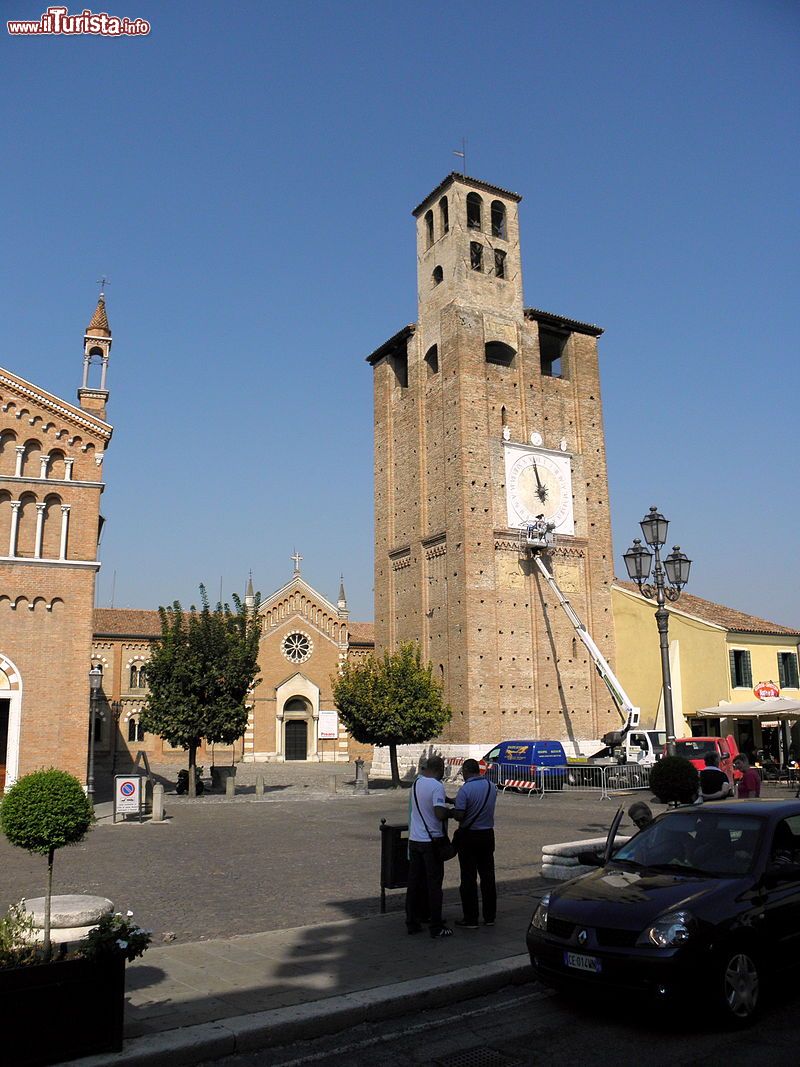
x: 741, y: 670
x: 787, y: 670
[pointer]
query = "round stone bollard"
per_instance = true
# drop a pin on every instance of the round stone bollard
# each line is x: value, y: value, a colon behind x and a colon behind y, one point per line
x: 260, y: 785
x: 72, y: 916
x: 230, y: 786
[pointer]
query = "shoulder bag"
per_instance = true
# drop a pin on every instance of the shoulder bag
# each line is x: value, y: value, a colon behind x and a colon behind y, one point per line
x: 445, y: 849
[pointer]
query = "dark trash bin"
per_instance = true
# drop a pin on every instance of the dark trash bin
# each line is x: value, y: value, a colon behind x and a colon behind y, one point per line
x: 394, y: 858
x: 220, y: 776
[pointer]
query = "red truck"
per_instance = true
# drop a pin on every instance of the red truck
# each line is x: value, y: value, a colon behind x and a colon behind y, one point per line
x: 695, y: 750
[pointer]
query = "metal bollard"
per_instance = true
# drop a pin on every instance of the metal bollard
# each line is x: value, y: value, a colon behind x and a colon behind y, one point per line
x: 158, y: 802
x: 230, y: 786
x: 260, y: 785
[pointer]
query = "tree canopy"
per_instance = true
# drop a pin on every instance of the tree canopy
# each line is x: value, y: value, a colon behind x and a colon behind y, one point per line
x: 200, y: 672
x: 391, y: 700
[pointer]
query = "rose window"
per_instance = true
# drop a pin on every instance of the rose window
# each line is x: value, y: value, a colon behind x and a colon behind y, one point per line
x: 297, y: 647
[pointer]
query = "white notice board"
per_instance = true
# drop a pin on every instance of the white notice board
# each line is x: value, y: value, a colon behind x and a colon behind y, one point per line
x: 328, y: 725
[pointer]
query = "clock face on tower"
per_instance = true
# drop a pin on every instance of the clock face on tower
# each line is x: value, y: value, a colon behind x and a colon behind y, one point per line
x: 538, y: 482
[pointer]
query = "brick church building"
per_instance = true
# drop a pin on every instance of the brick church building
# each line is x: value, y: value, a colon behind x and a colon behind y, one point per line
x: 51, y: 465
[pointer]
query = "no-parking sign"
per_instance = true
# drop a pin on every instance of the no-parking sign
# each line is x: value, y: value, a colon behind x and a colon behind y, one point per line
x: 127, y: 795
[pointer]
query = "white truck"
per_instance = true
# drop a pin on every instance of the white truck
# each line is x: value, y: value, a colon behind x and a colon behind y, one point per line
x: 631, y: 744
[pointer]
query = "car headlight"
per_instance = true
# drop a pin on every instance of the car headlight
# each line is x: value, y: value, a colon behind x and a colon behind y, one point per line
x: 539, y: 920
x: 674, y: 928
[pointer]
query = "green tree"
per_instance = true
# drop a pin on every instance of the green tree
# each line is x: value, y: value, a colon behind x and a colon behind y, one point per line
x: 199, y: 674
x: 392, y: 700
x: 44, y: 811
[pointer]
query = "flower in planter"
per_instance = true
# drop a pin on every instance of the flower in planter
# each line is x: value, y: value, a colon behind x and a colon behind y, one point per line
x: 17, y: 947
x: 114, y: 934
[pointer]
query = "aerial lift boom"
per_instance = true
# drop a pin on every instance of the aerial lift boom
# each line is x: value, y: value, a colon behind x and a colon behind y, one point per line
x: 539, y: 538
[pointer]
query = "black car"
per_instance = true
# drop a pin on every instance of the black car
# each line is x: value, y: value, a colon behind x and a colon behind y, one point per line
x: 702, y: 904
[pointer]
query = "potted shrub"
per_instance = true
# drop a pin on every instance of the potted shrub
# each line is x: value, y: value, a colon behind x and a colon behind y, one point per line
x: 71, y: 1006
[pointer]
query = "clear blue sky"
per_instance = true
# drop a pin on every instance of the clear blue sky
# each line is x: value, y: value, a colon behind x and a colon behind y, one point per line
x: 245, y: 176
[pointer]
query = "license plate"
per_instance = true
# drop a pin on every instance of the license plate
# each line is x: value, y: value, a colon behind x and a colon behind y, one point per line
x: 582, y: 963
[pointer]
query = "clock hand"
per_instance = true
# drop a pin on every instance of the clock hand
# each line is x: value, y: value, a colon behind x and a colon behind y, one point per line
x: 541, y: 490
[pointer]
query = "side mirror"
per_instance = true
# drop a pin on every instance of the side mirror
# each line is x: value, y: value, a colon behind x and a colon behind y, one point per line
x: 590, y: 859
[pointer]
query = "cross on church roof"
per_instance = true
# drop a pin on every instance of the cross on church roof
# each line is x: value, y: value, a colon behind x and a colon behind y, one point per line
x: 103, y: 282
x: 297, y: 558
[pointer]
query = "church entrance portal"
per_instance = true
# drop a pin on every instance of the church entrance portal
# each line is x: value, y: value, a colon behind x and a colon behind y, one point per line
x: 296, y: 739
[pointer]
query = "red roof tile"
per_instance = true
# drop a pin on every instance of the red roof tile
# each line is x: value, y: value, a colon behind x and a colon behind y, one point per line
x: 719, y: 615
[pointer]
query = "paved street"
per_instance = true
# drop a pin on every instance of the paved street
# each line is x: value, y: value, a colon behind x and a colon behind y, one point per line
x: 529, y: 1026
x: 217, y: 868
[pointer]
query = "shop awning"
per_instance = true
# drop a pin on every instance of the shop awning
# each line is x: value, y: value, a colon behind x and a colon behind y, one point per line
x: 774, y: 709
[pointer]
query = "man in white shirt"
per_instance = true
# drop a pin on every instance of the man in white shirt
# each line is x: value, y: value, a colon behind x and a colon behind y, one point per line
x: 428, y: 814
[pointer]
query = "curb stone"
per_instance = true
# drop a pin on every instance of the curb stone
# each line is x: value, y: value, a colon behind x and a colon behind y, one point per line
x: 281, y: 1026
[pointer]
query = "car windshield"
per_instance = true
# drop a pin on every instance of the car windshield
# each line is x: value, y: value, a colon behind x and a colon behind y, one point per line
x: 696, y: 841
x: 657, y: 739
x: 694, y: 749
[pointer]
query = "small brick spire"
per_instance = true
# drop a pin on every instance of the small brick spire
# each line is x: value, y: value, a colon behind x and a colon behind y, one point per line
x: 99, y: 327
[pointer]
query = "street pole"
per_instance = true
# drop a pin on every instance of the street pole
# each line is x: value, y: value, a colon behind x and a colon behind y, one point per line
x: 662, y: 622
x: 92, y: 717
x: 95, y: 681
x: 669, y: 578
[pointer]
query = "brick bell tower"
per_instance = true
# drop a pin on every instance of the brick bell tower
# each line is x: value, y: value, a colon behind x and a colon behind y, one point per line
x: 487, y: 414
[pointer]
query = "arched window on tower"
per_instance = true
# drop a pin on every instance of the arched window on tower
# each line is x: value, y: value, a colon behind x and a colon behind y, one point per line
x: 432, y: 359
x: 499, y: 219
x: 444, y: 215
x: 500, y: 354
x: 474, y: 203
x: 429, y: 228
x: 135, y: 731
x: 438, y: 276
x: 476, y: 255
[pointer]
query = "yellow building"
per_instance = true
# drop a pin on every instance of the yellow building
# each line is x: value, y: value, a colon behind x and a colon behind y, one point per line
x: 717, y: 657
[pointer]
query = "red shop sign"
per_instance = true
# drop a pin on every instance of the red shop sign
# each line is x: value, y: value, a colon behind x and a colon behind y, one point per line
x: 766, y: 690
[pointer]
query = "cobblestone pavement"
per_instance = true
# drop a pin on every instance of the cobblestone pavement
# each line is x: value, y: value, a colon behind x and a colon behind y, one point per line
x: 219, y: 869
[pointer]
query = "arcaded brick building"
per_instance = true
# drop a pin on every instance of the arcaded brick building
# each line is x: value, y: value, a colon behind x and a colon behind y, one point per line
x: 487, y: 414
x: 51, y: 464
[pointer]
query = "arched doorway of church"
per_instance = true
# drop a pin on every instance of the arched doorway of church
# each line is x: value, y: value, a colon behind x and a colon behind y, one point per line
x: 10, y: 707
x: 297, y: 712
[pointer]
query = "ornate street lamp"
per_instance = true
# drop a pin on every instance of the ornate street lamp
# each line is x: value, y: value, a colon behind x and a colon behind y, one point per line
x: 95, y: 681
x: 116, y: 711
x: 669, y: 578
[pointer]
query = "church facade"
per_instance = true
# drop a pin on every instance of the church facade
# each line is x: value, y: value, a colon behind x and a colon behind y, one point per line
x: 292, y: 715
x: 488, y: 414
x: 51, y: 464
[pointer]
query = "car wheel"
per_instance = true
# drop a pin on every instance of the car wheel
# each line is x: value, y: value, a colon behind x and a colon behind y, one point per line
x: 740, y: 981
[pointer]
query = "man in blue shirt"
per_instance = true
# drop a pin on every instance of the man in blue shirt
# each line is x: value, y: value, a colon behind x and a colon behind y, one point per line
x: 474, y: 810
x: 428, y: 814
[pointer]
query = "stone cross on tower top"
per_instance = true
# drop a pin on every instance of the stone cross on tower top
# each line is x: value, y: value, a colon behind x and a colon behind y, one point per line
x: 297, y: 559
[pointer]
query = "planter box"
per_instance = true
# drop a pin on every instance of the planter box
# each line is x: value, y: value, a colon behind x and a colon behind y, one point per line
x: 62, y: 1010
